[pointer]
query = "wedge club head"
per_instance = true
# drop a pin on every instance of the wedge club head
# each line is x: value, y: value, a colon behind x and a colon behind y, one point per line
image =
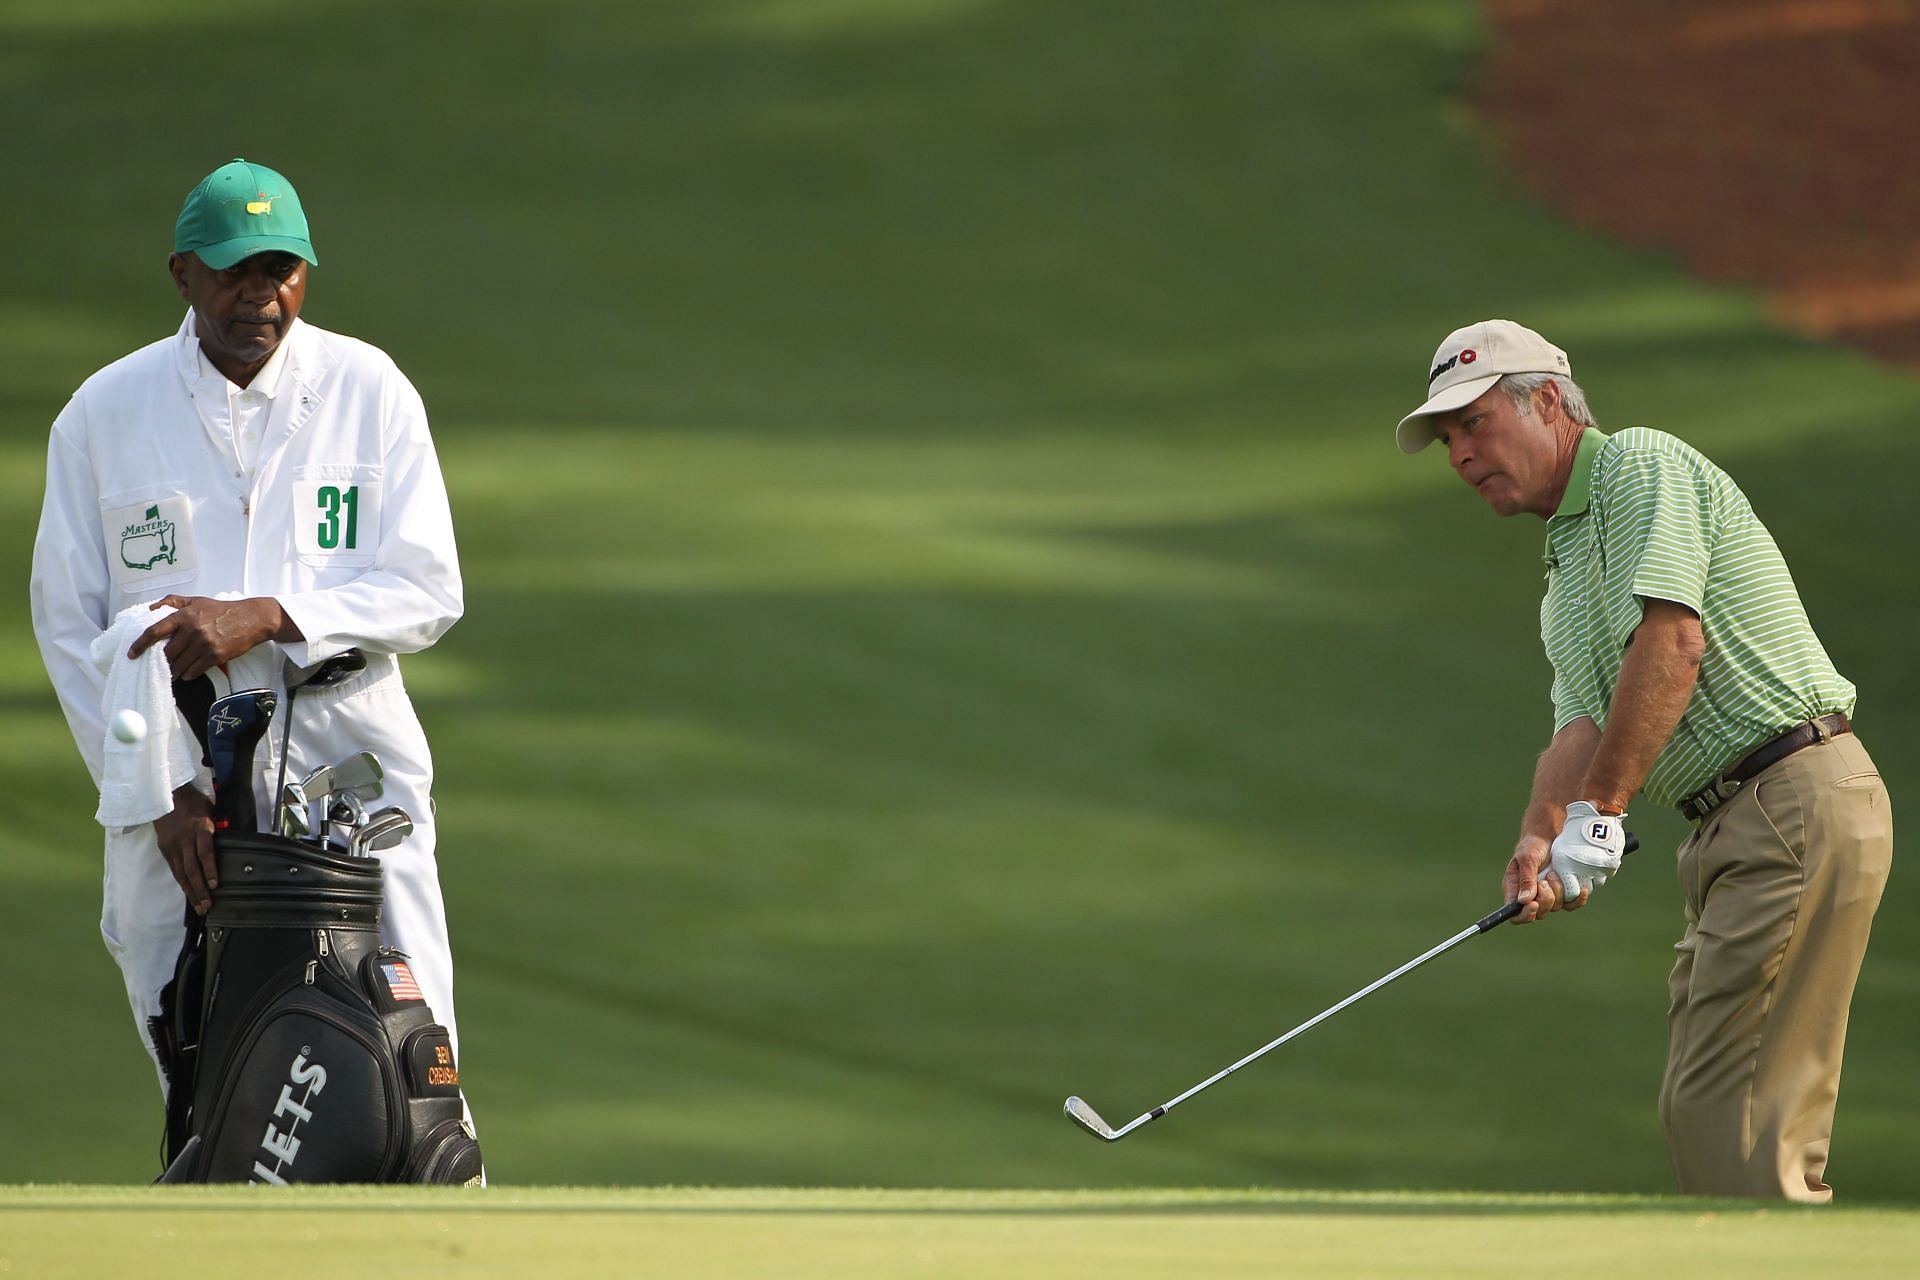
x: 1089, y: 1119
x: 1082, y: 1113
x: 383, y: 830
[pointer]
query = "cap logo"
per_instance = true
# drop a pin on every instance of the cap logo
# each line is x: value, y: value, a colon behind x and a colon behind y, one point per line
x: 263, y: 205
x: 1469, y: 356
x: 1441, y: 368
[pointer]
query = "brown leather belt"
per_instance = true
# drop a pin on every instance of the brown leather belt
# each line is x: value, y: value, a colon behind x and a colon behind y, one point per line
x: 1763, y: 757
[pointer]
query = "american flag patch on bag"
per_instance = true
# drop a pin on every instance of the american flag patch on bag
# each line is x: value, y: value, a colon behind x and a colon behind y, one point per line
x: 400, y: 982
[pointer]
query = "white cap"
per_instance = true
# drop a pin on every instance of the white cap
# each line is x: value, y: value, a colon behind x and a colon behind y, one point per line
x: 1469, y: 362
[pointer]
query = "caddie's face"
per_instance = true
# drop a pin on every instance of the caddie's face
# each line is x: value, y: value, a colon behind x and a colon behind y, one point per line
x: 243, y: 312
x: 1509, y: 458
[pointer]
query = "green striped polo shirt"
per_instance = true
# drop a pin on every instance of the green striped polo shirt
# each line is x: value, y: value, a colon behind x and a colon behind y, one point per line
x: 1647, y: 517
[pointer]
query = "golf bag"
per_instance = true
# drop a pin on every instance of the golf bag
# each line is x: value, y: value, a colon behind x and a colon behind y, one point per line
x: 296, y: 1047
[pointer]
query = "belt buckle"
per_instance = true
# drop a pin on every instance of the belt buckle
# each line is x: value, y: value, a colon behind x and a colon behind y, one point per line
x: 1703, y: 802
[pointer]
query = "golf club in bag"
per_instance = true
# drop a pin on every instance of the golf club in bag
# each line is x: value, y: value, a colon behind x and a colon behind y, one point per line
x: 335, y: 670
x: 234, y: 728
x: 296, y: 1047
x: 1082, y: 1113
x: 228, y: 724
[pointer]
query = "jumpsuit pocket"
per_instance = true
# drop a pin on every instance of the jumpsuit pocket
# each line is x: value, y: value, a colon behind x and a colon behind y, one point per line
x: 336, y: 514
x: 149, y: 540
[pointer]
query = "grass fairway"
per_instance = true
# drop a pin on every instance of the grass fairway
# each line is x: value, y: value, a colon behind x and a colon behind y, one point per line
x: 886, y: 1235
x: 948, y: 626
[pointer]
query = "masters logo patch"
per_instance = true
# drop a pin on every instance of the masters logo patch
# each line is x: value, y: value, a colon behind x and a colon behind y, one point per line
x: 148, y: 541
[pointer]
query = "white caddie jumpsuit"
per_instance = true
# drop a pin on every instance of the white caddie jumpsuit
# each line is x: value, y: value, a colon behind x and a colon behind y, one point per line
x: 342, y: 518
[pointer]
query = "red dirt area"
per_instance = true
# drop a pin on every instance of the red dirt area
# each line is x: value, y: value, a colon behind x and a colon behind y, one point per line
x: 1765, y: 142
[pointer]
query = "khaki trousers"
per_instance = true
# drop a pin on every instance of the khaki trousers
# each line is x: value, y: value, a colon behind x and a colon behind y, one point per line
x: 1781, y: 883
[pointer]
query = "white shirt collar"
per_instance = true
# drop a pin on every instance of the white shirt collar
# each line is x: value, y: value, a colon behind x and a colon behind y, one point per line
x: 195, y: 367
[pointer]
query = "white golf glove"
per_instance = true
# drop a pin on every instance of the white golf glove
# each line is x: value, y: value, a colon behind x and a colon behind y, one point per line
x: 1587, y: 850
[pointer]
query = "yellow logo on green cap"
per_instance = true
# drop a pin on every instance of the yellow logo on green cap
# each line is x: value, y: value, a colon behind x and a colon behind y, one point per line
x: 263, y: 205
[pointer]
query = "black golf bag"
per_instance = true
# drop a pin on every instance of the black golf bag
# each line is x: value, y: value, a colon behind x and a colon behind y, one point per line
x: 296, y: 1047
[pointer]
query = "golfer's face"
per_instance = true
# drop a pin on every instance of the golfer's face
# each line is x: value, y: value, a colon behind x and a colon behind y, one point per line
x: 1507, y: 457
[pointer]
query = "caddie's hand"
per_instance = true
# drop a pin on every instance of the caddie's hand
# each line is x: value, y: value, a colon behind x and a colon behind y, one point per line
x: 1587, y: 851
x: 1523, y: 882
x: 203, y: 632
x: 186, y: 842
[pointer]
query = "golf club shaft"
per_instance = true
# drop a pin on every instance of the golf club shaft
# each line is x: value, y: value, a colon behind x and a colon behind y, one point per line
x: 1480, y: 926
x: 280, y: 783
x: 1324, y: 1014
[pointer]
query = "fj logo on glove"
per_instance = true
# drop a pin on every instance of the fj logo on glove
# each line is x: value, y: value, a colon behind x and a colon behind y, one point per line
x: 281, y: 1145
x: 1597, y: 831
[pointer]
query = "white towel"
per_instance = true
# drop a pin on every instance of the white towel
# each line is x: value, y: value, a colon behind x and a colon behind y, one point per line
x: 139, y: 778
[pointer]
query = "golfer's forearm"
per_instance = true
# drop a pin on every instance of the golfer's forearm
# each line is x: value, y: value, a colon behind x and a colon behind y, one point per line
x: 1558, y: 776
x: 1656, y: 682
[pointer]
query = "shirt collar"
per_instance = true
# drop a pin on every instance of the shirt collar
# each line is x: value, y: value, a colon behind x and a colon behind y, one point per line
x: 1580, y: 483
x: 195, y: 366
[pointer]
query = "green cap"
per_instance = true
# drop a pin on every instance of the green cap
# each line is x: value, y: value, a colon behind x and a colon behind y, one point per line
x: 238, y: 210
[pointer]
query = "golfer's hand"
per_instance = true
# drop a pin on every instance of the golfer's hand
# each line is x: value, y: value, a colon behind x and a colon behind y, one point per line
x: 186, y: 842
x: 201, y: 632
x: 1587, y: 851
x: 1523, y: 882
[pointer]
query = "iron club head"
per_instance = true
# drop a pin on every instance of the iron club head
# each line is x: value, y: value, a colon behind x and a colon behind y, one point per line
x: 383, y: 830
x: 359, y: 773
x: 1089, y: 1119
x: 293, y: 811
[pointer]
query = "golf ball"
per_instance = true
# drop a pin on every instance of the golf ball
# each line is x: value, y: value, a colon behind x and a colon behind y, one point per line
x: 128, y: 725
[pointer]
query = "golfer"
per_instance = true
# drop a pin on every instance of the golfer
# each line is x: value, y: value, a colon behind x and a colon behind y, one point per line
x: 1684, y: 671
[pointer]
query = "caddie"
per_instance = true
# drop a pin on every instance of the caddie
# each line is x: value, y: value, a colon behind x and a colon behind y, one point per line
x: 276, y: 485
x: 1685, y: 671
